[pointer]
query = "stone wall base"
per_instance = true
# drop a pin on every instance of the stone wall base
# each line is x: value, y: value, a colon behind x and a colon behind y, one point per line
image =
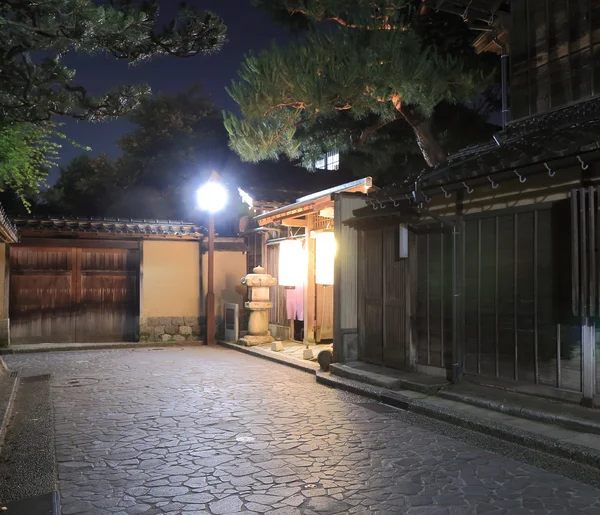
x: 171, y: 329
x: 349, y: 345
x: 4, y: 332
x: 252, y: 340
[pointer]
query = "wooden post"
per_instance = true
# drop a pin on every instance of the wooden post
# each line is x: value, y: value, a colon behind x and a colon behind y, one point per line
x: 309, y: 288
x: 338, y: 338
x: 588, y: 360
x: 210, y: 294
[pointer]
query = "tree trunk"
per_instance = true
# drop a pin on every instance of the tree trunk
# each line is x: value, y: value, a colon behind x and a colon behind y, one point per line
x: 432, y: 151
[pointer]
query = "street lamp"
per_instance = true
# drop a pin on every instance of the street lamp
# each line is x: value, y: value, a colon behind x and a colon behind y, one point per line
x: 211, y: 197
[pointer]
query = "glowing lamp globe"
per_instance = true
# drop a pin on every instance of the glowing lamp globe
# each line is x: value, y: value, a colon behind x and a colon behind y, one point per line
x: 212, y: 197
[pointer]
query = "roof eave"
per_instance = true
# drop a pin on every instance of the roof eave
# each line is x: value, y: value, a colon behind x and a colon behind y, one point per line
x: 309, y: 202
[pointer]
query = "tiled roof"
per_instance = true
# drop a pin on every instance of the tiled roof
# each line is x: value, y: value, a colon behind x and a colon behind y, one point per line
x: 543, y: 146
x: 8, y: 231
x: 111, y: 226
x: 532, y: 145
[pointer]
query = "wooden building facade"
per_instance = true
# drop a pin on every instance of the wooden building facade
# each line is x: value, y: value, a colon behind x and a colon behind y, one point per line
x: 304, y: 311
x: 501, y: 282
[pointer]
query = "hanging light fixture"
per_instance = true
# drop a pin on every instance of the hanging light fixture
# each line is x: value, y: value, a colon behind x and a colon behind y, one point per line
x: 325, y: 254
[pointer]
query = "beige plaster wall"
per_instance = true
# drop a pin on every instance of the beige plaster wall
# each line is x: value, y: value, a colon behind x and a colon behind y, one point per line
x: 230, y: 267
x: 171, y: 279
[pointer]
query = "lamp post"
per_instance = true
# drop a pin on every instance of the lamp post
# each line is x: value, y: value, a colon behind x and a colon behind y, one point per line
x: 211, y: 197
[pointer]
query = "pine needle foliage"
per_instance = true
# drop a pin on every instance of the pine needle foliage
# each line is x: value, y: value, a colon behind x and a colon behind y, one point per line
x: 35, y: 84
x: 376, y: 61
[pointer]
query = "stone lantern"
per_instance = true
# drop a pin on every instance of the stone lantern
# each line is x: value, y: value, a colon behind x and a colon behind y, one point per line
x: 258, y: 284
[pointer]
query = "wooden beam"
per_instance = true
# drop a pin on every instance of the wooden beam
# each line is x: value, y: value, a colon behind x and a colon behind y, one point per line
x: 293, y: 222
x: 44, y: 233
x: 64, y: 242
x: 307, y: 208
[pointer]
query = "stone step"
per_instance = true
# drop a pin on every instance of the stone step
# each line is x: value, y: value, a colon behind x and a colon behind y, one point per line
x: 577, y: 418
x: 583, y: 448
x: 389, y: 378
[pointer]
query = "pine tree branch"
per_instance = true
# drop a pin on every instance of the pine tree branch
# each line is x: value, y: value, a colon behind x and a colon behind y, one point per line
x: 31, y: 28
x: 374, y: 128
x: 340, y: 21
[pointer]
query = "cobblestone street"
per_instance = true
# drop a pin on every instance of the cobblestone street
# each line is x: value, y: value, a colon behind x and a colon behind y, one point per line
x: 214, y: 431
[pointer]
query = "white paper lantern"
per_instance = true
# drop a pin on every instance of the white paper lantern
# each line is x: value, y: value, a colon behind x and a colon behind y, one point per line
x: 291, y: 263
x: 325, y: 254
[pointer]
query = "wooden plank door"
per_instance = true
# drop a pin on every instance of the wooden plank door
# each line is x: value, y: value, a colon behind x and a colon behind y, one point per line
x: 41, y: 294
x: 71, y: 294
x: 382, y: 294
x: 395, y: 314
x: 106, y: 295
x: 370, y: 295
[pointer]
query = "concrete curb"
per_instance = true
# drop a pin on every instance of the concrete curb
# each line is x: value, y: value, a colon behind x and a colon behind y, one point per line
x: 9, y: 405
x: 261, y: 353
x: 63, y: 347
x: 547, y: 444
x: 56, y: 506
x: 586, y: 426
x: 396, y: 382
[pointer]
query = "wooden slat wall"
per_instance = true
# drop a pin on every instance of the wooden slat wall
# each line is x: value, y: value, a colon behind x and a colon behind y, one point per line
x: 512, y: 297
x: 554, y: 54
x: 434, y: 297
x: 324, y: 312
x: 395, y: 285
x: 278, y: 313
x: 370, y: 296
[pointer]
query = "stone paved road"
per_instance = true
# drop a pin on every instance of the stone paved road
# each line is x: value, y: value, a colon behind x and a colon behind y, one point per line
x: 214, y: 431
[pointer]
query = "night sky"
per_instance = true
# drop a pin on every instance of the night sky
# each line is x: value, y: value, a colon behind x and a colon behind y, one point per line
x: 248, y: 28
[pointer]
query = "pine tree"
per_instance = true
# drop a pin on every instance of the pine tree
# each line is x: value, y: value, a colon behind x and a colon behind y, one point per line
x: 35, y: 84
x: 380, y: 61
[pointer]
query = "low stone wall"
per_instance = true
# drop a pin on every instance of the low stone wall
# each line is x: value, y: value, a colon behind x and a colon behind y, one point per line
x: 280, y: 332
x: 169, y: 329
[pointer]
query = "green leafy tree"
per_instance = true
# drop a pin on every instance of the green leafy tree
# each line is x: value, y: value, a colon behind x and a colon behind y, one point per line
x: 175, y: 135
x: 27, y: 151
x: 36, y: 86
x: 381, y: 62
x: 85, y: 185
x: 177, y: 139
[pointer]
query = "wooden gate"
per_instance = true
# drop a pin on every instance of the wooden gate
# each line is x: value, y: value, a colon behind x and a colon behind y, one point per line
x: 382, y: 296
x: 74, y: 294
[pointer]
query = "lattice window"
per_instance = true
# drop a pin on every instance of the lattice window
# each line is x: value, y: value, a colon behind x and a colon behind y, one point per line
x: 321, y: 222
x: 329, y: 161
